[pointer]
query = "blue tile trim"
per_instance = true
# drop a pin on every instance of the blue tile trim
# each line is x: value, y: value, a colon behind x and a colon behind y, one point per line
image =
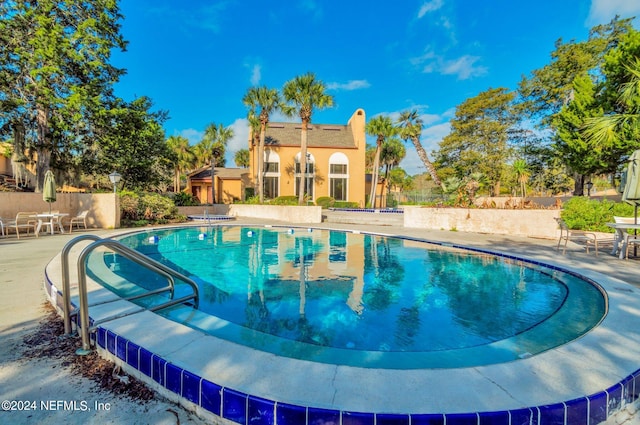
x: 249, y: 410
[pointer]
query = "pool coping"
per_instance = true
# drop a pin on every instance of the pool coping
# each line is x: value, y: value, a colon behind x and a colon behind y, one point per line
x: 574, y: 379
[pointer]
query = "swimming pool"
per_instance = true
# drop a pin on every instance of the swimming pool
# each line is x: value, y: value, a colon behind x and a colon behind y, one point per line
x: 582, y: 381
x: 364, y: 300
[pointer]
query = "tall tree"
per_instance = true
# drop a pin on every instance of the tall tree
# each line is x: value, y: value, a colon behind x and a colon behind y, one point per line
x: 130, y: 139
x: 619, y: 127
x: 381, y: 127
x: 214, y: 144
x: 262, y: 102
x: 411, y: 129
x: 183, y: 158
x: 305, y: 93
x: 579, y: 155
x: 551, y: 87
x: 55, y: 70
x: 479, y: 136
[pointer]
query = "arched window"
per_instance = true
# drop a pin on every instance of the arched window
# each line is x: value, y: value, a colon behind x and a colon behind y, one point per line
x: 310, y: 175
x: 339, y: 176
x: 271, y: 179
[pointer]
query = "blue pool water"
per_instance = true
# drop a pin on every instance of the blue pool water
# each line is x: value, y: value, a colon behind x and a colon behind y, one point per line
x: 364, y: 300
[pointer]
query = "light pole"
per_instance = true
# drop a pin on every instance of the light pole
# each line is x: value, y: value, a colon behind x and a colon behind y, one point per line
x: 115, y: 178
x: 589, y: 186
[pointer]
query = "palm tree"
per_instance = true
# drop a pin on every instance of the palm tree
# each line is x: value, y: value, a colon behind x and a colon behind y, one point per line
x: 305, y: 93
x: 213, y: 145
x: 242, y: 158
x: 411, y: 129
x: 393, y: 151
x: 381, y: 127
x: 613, y: 128
x: 267, y: 101
x: 184, y: 158
x: 523, y: 174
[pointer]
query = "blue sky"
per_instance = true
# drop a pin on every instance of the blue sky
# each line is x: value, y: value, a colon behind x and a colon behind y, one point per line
x: 197, y: 58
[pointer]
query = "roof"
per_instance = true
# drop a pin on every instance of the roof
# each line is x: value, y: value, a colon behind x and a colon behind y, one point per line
x: 318, y: 135
x: 203, y: 173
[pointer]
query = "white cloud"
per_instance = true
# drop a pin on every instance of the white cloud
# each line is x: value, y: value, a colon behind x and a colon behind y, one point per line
x: 463, y: 67
x: 350, y: 85
x: 429, y: 6
x: 192, y: 135
x: 239, y: 141
x: 602, y: 11
x: 256, y: 75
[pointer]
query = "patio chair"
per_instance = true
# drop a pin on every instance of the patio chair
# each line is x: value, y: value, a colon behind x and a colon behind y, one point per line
x: 566, y: 234
x: 79, y: 219
x: 23, y: 220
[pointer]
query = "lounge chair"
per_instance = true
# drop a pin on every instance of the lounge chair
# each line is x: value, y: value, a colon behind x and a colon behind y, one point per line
x: 589, y: 238
x: 79, y: 219
x: 23, y: 220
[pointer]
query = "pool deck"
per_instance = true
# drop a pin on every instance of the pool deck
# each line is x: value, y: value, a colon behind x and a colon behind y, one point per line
x: 589, y: 365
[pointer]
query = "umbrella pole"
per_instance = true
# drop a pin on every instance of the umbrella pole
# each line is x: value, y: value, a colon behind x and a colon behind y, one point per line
x: 635, y: 231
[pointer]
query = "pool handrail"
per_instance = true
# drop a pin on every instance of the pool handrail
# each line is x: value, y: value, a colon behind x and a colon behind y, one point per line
x: 66, y: 285
x: 127, y: 252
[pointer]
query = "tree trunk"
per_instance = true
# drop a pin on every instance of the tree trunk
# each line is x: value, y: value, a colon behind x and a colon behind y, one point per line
x: 43, y: 148
x: 263, y: 129
x: 422, y: 154
x: 303, y: 162
x: 374, y: 176
x: 213, y: 180
x: 578, y: 188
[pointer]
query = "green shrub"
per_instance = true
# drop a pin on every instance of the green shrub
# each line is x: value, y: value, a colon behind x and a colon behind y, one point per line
x: 582, y: 213
x: 285, y: 200
x: 325, y: 201
x: 184, y: 199
x: 251, y: 200
x: 129, y: 205
x: 346, y: 204
x: 146, y: 206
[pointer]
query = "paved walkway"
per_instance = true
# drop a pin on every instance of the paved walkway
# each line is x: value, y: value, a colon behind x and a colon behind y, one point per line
x: 21, y: 296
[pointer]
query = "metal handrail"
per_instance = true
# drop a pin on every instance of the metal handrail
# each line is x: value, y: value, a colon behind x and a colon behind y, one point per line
x: 66, y: 285
x: 129, y: 253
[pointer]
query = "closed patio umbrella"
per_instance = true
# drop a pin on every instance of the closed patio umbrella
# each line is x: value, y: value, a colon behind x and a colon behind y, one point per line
x: 49, y: 189
x: 631, y: 193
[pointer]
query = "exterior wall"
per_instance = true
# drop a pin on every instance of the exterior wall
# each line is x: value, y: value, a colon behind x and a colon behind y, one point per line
x: 104, y: 208
x: 356, y: 156
x: 289, y: 214
x: 530, y: 223
x: 227, y: 190
x: 5, y: 165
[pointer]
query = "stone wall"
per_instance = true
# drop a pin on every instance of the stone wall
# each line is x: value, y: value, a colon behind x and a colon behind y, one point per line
x: 529, y: 223
x: 289, y: 214
x: 104, y: 208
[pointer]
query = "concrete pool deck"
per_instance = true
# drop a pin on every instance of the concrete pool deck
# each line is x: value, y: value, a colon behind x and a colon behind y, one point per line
x: 603, y: 357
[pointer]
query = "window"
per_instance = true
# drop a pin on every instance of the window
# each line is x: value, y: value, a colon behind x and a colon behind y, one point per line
x: 309, y: 176
x: 271, y: 167
x: 339, y: 176
x: 271, y: 187
x: 271, y: 178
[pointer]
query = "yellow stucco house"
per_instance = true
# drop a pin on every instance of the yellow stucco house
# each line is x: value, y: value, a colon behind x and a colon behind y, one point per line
x: 230, y: 184
x: 335, y: 160
x: 335, y: 165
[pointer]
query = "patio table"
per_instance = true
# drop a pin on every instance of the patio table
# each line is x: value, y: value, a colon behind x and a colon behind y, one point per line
x: 622, y: 237
x: 51, y: 222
